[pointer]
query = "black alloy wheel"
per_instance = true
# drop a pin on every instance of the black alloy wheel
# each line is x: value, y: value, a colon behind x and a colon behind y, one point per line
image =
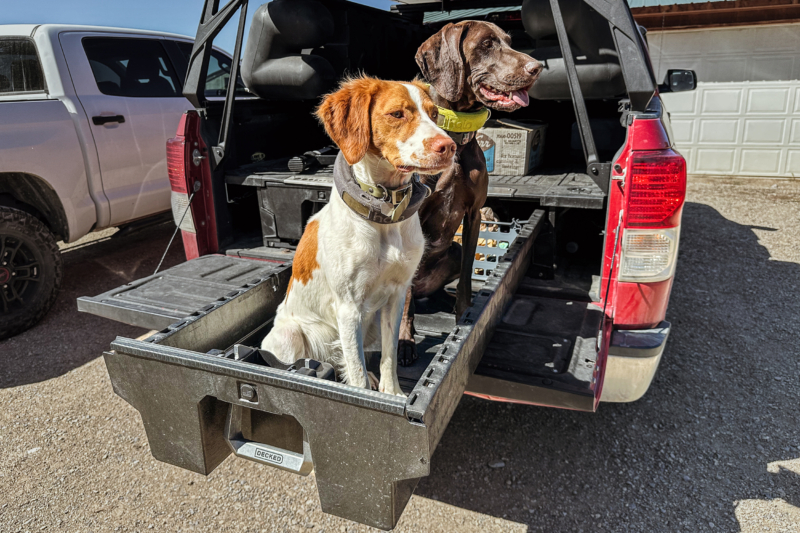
x: 30, y: 271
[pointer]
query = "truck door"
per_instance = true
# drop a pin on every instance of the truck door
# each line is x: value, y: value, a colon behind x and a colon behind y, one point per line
x: 132, y: 98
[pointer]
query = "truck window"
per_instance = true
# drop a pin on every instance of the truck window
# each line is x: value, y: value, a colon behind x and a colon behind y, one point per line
x: 20, y: 69
x: 219, y: 71
x: 138, y: 68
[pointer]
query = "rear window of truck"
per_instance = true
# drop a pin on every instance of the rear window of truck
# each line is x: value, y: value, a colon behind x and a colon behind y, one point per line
x: 20, y: 68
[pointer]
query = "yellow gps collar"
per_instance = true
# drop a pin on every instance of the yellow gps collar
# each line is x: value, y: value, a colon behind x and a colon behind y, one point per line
x: 460, y: 121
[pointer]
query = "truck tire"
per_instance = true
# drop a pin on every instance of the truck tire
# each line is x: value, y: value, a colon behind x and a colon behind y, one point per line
x: 30, y: 271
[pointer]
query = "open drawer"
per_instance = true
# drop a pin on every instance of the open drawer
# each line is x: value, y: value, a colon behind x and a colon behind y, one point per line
x: 368, y: 449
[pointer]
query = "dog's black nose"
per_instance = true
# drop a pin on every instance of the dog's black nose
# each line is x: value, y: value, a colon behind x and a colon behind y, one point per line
x: 533, y: 68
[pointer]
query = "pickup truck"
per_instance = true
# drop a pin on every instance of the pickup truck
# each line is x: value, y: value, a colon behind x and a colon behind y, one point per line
x: 568, y: 308
x: 84, y: 115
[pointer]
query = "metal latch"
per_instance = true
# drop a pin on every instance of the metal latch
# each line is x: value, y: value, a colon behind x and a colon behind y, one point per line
x: 197, y: 157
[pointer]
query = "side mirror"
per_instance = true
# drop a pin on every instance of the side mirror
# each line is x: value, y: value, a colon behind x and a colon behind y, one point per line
x: 677, y: 81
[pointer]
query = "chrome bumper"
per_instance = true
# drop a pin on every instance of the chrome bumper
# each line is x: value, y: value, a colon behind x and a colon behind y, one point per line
x: 633, y: 358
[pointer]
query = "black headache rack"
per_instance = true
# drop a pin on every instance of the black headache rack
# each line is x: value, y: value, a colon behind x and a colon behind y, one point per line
x: 199, y: 404
x: 545, y: 17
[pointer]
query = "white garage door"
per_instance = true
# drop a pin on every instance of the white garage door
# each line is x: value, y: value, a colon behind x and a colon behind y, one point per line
x: 744, y: 117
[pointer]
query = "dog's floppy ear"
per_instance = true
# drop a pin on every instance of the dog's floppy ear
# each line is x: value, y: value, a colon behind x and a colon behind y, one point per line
x: 346, y: 117
x: 440, y: 60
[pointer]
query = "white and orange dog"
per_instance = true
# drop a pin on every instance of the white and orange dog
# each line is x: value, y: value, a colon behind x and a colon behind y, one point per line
x: 358, y: 255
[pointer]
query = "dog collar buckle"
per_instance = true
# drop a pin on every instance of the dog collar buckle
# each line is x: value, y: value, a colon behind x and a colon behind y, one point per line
x: 393, y: 196
x: 398, y: 195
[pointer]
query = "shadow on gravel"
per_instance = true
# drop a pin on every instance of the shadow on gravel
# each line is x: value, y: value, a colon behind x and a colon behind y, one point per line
x: 66, y: 339
x: 723, y: 406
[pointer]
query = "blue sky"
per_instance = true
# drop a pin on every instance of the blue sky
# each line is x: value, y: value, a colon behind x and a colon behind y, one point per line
x: 176, y: 16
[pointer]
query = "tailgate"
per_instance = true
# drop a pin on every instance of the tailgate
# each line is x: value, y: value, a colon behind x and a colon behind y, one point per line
x: 368, y: 449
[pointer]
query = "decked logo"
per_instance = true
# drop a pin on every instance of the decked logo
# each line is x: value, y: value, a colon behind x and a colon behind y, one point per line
x: 268, y: 456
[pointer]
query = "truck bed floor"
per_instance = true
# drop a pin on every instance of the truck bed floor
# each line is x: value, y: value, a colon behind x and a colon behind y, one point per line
x: 541, y: 341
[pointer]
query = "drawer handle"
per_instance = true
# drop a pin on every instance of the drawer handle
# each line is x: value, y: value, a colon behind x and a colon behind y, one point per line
x: 261, y: 453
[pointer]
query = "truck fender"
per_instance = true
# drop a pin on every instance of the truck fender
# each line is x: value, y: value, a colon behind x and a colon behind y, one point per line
x: 34, y: 195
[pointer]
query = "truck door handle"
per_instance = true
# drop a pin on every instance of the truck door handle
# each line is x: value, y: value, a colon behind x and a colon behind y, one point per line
x: 107, y: 119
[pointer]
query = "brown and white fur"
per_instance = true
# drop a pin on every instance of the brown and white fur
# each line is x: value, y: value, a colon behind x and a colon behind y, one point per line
x: 350, y: 275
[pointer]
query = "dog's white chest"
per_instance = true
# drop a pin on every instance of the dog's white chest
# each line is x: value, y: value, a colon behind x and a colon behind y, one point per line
x: 399, y: 251
x: 399, y: 248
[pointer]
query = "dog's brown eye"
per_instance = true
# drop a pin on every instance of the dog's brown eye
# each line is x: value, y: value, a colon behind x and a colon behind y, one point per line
x: 397, y: 114
x: 435, y: 115
x: 487, y: 43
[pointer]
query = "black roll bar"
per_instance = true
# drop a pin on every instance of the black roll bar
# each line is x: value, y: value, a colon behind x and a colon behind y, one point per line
x: 639, y: 80
x: 211, y: 23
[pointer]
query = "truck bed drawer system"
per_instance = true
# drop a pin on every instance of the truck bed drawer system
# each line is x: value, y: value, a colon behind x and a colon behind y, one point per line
x: 554, y: 188
x: 532, y: 333
x: 368, y: 449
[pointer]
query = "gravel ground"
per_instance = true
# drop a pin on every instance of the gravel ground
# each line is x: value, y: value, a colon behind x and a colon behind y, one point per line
x: 714, y: 446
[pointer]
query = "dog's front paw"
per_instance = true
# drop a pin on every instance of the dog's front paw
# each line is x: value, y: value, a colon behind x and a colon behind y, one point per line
x: 406, y: 352
x: 391, y: 388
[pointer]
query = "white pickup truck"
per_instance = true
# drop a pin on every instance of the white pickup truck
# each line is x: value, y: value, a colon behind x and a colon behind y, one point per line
x: 85, y: 113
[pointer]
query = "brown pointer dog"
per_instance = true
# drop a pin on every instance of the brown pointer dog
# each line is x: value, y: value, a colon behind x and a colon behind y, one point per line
x: 469, y: 65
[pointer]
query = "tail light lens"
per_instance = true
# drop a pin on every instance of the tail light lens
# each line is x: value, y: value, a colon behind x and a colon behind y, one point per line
x: 189, y: 173
x: 652, y: 228
x: 176, y: 163
x: 179, y: 198
x: 657, y: 189
x: 648, y: 255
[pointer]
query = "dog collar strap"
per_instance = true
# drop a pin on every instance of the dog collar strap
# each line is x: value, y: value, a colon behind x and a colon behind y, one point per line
x: 376, y: 203
x: 462, y: 121
x: 462, y: 138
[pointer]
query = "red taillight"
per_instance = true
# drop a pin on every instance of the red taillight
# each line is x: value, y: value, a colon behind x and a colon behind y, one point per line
x: 189, y: 179
x: 657, y: 189
x: 176, y: 163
